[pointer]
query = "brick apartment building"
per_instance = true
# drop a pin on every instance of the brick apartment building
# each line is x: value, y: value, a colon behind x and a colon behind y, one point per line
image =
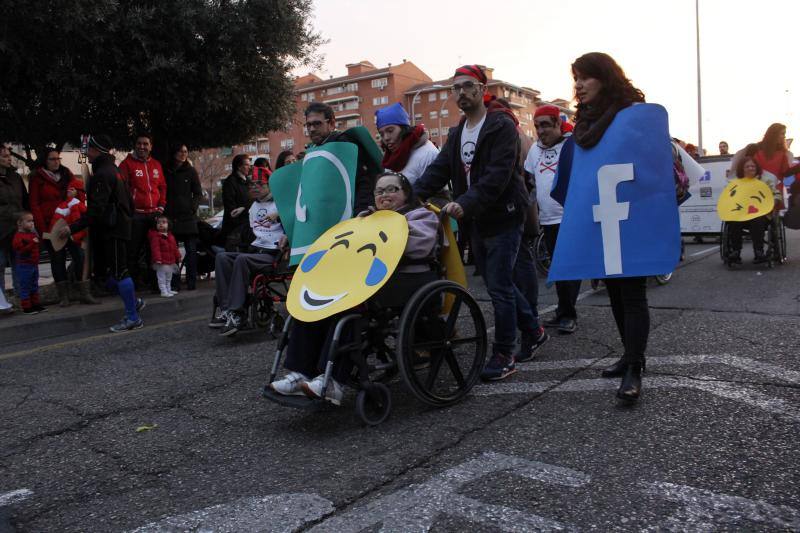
x: 365, y: 88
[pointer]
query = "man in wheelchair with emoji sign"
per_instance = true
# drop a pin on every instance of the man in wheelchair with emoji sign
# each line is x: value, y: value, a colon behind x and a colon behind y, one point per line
x: 368, y: 302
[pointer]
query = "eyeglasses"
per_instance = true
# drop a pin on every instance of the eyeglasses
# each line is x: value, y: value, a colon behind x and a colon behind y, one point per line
x: 389, y: 189
x: 314, y: 124
x: 467, y: 86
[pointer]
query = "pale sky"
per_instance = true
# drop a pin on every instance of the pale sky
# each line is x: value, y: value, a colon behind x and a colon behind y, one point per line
x: 749, y: 51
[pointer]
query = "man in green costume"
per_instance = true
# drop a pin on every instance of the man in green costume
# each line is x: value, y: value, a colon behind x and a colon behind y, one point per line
x: 332, y: 183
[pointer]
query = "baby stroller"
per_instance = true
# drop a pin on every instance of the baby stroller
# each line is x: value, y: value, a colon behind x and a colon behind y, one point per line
x: 207, y: 249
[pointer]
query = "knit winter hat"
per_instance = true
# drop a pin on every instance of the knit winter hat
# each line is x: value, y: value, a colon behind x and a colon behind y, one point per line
x: 547, y: 111
x: 394, y: 114
x: 102, y: 143
x: 473, y: 71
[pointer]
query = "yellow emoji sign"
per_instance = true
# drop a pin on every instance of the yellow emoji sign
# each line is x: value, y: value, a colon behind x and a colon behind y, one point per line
x: 745, y: 199
x: 347, y: 265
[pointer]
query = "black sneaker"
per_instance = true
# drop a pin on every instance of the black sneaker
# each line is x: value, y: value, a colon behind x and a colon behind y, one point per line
x: 735, y: 258
x: 499, y: 367
x: 219, y: 321
x: 759, y: 258
x: 40, y: 308
x: 140, y: 304
x: 31, y: 311
x: 233, y: 326
x: 552, y: 322
x: 529, y: 344
x: 567, y: 325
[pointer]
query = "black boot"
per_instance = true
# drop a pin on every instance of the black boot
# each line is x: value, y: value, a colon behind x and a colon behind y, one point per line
x: 631, y: 385
x: 618, y: 369
x: 759, y: 257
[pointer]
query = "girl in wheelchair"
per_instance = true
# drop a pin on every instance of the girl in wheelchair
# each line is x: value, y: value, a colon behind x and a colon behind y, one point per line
x: 748, y: 167
x: 309, y: 342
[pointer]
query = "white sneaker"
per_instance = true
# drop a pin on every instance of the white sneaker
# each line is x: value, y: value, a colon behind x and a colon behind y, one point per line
x: 334, y: 394
x: 166, y: 294
x: 291, y: 384
x: 173, y: 293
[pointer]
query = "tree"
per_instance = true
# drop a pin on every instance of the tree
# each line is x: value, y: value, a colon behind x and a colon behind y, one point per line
x: 211, y: 167
x: 201, y: 72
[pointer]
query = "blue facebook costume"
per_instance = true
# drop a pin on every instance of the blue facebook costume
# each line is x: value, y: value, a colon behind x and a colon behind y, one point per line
x: 620, y: 211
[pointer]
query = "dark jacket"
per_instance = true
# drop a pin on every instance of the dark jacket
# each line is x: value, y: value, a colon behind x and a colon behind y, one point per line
x: 183, y: 198
x: 496, y: 198
x: 13, y: 199
x: 106, y: 191
x: 234, y: 194
x: 365, y: 173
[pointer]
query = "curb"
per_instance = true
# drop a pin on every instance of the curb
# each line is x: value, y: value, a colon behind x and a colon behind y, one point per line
x: 18, y: 328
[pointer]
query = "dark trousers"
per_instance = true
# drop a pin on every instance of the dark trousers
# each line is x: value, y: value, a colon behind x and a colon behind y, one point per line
x: 190, y: 249
x: 139, y: 266
x: 503, y: 267
x: 115, y: 258
x: 58, y: 260
x: 629, y: 305
x: 233, y: 272
x: 757, y: 227
x: 567, y: 291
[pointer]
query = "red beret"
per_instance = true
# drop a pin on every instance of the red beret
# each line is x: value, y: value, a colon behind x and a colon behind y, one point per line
x: 547, y: 111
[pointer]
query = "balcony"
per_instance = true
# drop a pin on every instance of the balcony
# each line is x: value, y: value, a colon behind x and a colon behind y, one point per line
x: 341, y: 97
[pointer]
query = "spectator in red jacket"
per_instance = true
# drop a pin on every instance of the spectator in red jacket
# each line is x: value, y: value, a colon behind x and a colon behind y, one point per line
x: 145, y: 179
x: 165, y: 254
x: 48, y: 189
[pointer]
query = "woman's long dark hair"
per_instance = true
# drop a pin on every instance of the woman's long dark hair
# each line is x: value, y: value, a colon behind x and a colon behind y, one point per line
x: 174, y: 149
x: 769, y: 144
x: 616, y: 89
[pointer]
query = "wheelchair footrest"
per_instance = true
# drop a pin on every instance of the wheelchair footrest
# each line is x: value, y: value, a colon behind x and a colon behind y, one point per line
x: 296, y: 402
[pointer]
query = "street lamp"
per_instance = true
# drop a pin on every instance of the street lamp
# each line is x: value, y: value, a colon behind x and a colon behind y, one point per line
x: 414, y: 98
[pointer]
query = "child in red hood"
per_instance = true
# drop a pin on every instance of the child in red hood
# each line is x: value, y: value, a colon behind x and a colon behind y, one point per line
x: 165, y: 254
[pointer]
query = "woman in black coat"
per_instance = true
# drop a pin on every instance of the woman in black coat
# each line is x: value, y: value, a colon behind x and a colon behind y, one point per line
x: 183, y: 199
x: 236, y: 202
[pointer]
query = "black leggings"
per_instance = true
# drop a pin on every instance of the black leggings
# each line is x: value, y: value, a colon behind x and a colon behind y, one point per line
x: 757, y: 227
x: 629, y: 305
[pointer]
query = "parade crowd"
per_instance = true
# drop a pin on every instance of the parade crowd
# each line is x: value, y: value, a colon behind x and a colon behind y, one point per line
x: 122, y: 228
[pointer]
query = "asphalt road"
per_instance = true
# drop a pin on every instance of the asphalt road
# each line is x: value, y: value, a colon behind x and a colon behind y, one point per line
x: 712, y: 444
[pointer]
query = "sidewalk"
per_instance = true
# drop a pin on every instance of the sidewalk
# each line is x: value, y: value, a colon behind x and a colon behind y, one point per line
x: 18, y: 328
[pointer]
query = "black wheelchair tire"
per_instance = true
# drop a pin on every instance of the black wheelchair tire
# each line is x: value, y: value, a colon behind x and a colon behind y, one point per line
x: 407, y: 350
x: 368, y: 410
x: 541, y: 255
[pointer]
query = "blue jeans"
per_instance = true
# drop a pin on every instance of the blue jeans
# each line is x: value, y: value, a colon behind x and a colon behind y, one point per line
x: 510, y: 278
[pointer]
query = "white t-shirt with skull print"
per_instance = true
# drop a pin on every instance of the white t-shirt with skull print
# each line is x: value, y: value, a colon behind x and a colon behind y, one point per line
x: 469, y: 138
x: 542, y: 162
x: 268, y: 232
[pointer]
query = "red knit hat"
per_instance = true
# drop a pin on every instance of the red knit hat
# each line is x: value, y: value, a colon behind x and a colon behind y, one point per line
x: 547, y: 111
x: 473, y: 71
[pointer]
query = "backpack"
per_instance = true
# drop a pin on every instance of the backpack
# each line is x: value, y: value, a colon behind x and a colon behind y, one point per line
x: 679, y: 173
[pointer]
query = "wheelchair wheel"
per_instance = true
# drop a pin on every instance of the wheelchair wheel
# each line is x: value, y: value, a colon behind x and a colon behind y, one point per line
x: 780, y: 241
x: 373, y: 407
x: 663, y: 279
x: 541, y: 255
x: 441, y: 357
x: 261, y: 308
x: 276, y: 324
x: 724, y: 243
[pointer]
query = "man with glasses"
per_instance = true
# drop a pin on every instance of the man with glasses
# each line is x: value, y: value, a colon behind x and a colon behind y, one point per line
x: 321, y: 129
x: 481, y: 156
x: 542, y: 163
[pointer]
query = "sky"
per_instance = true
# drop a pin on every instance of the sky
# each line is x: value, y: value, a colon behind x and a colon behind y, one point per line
x: 749, y: 51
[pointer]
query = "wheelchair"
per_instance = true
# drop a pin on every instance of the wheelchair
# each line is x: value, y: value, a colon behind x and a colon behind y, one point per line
x: 541, y: 255
x: 775, y: 241
x: 437, y: 343
x: 265, y: 293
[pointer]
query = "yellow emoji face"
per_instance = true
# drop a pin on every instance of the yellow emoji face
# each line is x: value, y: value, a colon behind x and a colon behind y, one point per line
x: 745, y: 199
x: 347, y: 265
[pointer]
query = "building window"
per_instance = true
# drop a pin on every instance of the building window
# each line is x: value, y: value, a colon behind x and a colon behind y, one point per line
x: 445, y: 113
x: 431, y: 97
x: 380, y: 100
x: 311, y: 96
x: 443, y: 95
x: 417, y: 99
x: 434, y: 115
x: 417, y: 117
x: 287, y: 144
x: 335, y: 90
x: 352, y: 87
x: 250, y: 148
x: 352, y: 104
x: 434, y: 132
x: 379, y: 83
x: 304, y: 97
x: 353, y: 122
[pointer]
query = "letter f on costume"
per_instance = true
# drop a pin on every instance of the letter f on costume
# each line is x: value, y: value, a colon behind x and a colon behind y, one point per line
x: 609, y: 213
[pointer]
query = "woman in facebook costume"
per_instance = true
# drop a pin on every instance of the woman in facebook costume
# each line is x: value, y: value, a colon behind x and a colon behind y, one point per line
x: 602, y: 90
